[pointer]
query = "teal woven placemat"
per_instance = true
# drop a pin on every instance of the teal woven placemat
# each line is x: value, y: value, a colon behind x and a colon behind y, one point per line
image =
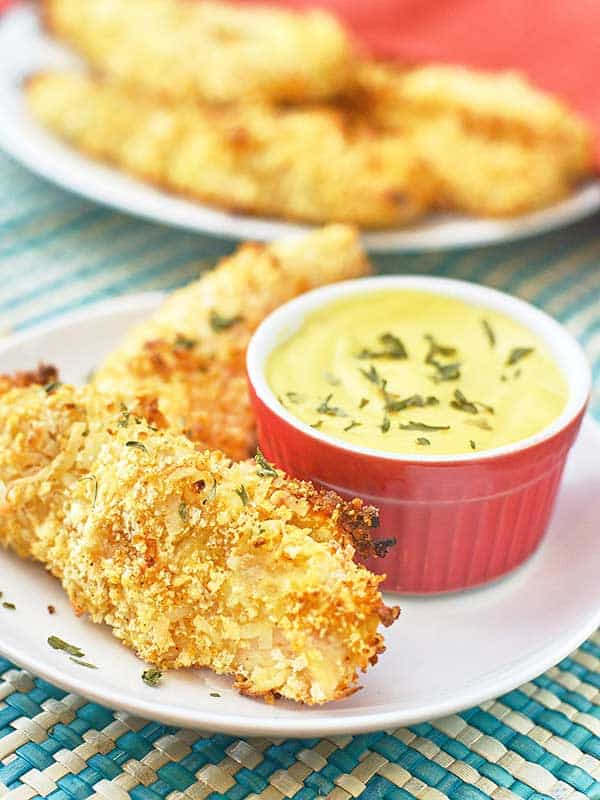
x: 58, y: 253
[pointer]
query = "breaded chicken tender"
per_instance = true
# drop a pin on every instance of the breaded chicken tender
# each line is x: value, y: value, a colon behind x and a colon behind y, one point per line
x: 208, y: 51
x: 487, y: 176
x: 191, y: 354
x: 493, y: 144
x: 192, y: 560
x: 307, y: 164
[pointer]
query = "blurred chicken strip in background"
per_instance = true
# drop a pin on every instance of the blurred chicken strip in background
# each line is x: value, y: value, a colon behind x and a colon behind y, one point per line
x: 207, y: 51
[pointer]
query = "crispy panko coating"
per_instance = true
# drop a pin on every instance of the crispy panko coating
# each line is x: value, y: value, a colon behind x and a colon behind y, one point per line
x: 191, y: 354
x: 192, y: 560
x: 318, y: 164
x: 207, y: 51
x: 493, y: 144
x: 492, y: 177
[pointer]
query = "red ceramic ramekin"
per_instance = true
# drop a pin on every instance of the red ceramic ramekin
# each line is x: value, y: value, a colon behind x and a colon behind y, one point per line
x: 459, y: 521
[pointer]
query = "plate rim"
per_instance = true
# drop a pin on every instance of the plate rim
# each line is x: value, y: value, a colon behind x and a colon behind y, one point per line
x: 355, y: 722
x: 483, y: 232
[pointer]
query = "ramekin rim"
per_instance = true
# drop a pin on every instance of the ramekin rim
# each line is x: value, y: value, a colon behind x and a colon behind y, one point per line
x: 260, y: 348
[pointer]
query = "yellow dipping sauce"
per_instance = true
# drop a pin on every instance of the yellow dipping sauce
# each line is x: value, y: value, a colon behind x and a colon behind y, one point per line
x: 417, y: 372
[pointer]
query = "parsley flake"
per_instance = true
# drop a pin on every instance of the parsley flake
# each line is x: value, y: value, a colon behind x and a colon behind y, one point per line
x: 152, y: 676
x: 421, y: 426
x: 353, y: 424
x: 220, y: 323
x: 517, y: 353
x: 242, y: 494
x: 137, y: 445
x: 331, y: 411
x: 392, y: 347
x: 82, y: 663
x: 184, y: 342
x: 56, y: 643
x: 489, y: 332
x: 264, y: 468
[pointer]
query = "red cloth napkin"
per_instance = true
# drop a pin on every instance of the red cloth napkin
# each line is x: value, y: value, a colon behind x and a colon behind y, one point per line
x: 556, y: 43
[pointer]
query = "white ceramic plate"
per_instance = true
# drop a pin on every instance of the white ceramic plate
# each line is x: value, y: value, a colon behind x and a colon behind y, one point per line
x: 444, y: 653
x: 24, y: 48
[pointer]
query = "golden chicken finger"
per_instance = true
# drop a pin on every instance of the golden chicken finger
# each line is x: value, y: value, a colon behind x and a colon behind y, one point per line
x: 191, y: 354
x: 492, y: 177
x: 208, y: 51
x: 309, y: 164
x: 500, y: 106
x: 474, y: 134
x: 192, y: 560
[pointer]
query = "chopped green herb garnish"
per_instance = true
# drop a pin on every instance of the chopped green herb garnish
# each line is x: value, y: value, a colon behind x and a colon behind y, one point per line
x: 183, y: 512
x: 221, y: 323
x: 372, y: 375
x: 460, y: 403
x: 392, y: 348
x: 386, y: 424
x: 52, y: 387
x: 137, y: 445
x: 489, y: 332
x: 264, y: 468
x: 437, y: 349
x: 331, y: 411
x: 421, y: 426
x: 10, y: 606
x: 215, y: 694
x: 242, y: 494
x: 414, y: 401
x: 353, y: 424
x: 152, y: 676
x: 517, y: 353
x: 363, y: 402
x: 92, y: 478
x: 317, y: 424
x: 123, y: 420
x: 184, y: 343
x: 331, y: 379
x: 423, y: 441
x: 294, y: 397
x: 473, y: 445
x: 446, y: 372
x: 82, y: 663
x: 59, y: 644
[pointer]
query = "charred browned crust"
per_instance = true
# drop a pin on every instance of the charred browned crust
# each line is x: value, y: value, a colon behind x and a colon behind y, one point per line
x: 44, y: 375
